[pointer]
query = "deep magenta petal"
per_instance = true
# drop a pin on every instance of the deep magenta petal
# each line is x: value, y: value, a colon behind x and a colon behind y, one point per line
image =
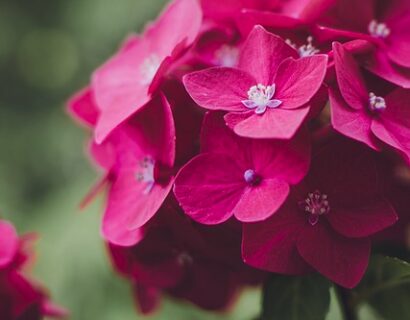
x: 271, y: 245
x: 262, y: 54
x: 297, y: 81
x: 349, y: 78
x: 393, y: 126
x: 9, y: 243
x: 209, y: 187
x: 219, y: 88
x: 353, y: 123
x: 82, y: 107
x: 382, y: 66
x: 362, y: 221
x: 342, y: 260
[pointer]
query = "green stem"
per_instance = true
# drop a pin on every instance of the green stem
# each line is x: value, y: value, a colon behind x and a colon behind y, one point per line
x: 348, y: 308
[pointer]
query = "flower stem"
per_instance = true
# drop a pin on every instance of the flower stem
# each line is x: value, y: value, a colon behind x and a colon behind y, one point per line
x: 349, y: 310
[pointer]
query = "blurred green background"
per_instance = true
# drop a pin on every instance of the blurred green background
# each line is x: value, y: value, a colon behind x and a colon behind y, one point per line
x: 48, y: 49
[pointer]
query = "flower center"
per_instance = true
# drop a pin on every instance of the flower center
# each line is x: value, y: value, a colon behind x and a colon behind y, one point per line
x: 315, y: 205
x: 378, y: 29
x: 376, y: 104
x: 146, y: 173
x: 251, y: 177
x: 305, y: 50
x: 227, y: 56
x: 260, y: 98
x: 149, y: 68
x: 184, y: 259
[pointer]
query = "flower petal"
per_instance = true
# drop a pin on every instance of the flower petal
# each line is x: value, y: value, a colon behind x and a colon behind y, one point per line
x: 393, y: 125
x: 260, y: 202
x: 275, y: 123
x: 349, y: 78
x: 297, y: 81
x: 219, y: 88
x: 9, y: 243
x: 82, y: 107
x: 271, y: 245
x: 380, y: 65
x: 340, y: 259
x: 353, y: 123
x: 262, y: 54
x: 362, y: 221
x: 209, y: 187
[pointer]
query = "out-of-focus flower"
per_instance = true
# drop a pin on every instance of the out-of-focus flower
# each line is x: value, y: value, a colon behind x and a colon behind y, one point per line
x: 19, y: 297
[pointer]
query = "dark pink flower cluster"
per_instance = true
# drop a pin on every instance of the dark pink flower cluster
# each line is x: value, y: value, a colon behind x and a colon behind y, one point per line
x: 20, y: 298
x: 251, y: 133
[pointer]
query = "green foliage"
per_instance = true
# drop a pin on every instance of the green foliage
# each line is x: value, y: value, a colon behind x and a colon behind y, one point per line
x: 296, y: 298
x: 386, y: 288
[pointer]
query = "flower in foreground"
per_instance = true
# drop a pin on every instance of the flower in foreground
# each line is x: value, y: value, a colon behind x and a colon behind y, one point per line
x: 241, y: 177
x: 362, y: 114
x: 326, y: 222
x: 267, y: 96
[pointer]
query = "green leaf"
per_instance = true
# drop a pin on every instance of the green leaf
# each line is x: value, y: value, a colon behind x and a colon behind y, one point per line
x: 296, y: 298
x: 386, y: 288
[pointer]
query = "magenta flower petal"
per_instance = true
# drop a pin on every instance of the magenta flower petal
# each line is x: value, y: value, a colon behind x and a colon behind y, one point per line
x: 349, y: 78
x: 219, y: 88
x: 143, y: 146
x: 380, y: 65
x: 259, y: 202
x: 398, y: 49
x: 352, y: 123
x: 341, y: 259
x: 130, y: 205
x: 262, y: 54
x: 354, y: 222
x: 209, y: 187
x: 297, y: 81
x: 393, y: 125
x: 9, y: 243
x: 124, y: 84
x: 82, y: 107
x: 271, y: 245
x: 274, y: 124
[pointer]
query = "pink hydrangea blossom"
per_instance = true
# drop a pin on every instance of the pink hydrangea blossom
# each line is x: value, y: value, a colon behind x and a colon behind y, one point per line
x: 144, y: 154
x: 362, y: 113
x: 240, y: 177
x: 326, y: 222
x: 383, y: 23
x: 268, y: 95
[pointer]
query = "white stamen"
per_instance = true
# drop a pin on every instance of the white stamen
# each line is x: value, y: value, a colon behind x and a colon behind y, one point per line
x: 378, y: 30
x: 305, y: 50
x: 376, y: 103
x: 251, y: 177
x: 260, y: 98
x: 149, y: 68
x: 227, y: 56
x: 146, y: 174
x: 315, y: 205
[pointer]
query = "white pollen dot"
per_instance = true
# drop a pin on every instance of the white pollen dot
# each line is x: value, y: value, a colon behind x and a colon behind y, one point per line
x: 378, y: 29
x: 376, y: 103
